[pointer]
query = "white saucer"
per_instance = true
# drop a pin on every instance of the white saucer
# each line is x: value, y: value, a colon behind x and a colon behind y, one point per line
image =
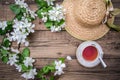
x: 84, y: 62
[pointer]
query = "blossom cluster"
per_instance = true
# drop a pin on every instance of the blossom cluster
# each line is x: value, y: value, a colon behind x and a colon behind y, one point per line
x: 24, y: 5
x: 28, y: 61
x: 32, y: 72
x: 21, y: 3
x: 57, y: 14
x: 3, y: 25
x: 53, y: 17
x: 59, y: 66
x: 21, y: 29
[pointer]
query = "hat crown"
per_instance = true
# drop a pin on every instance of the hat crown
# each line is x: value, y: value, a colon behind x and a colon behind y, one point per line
x: 89, y: 12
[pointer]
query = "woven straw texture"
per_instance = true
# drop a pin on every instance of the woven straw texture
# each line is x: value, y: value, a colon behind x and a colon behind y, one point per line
x: 84, y: 18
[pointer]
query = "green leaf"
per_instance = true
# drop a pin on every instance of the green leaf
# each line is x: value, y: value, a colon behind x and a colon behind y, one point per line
x: 15, y: 8
x: 7, y: 29
x: 62, y: 59
x: 24, y: 68
x: 51, y: 68
x: 49, y: 8
x: 30, y: 19
x: 48, y: 24
x: 6, y: 43
x: 39, y: 13
x: 52, y: 78
x: 39, y: 74
x: 44, y: 9
x: 61, y: 22
x: 23, y: 10
x: 9, y: 26
x: 5, y: 59
x: 19, y: 16
x: 26, y: 52
x: 4, y: 52
x: 9, y: 22
x: 45, y: 70
x: 21, y: 58
x: 41, y: 3
x: 43, y: 78
x: 2, y: 32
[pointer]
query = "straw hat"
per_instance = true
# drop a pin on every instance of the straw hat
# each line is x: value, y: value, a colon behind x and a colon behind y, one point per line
x: 84, y: 18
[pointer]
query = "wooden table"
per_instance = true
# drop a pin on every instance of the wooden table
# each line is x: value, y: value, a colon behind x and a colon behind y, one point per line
x: 46, y: 47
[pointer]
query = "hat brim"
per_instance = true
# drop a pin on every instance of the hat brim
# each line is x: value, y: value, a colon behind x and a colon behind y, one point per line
x: 79, y: 31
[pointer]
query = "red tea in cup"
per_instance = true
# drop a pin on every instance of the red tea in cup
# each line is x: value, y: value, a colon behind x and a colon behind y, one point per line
x: 90, y: 53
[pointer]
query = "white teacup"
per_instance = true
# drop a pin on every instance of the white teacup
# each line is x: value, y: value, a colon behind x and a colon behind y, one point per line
x: 97, y: 57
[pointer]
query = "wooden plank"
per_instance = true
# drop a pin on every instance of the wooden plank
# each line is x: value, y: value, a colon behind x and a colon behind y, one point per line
x: 8, y: 72
x: 52, y: 45
x: 71, y: 76
x: 113, y: 66
x: 2, y: 13
x: 72, y: 69
x: 91, y: 76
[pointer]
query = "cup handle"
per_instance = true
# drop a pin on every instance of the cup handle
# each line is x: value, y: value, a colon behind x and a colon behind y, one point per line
x: 103, y: 63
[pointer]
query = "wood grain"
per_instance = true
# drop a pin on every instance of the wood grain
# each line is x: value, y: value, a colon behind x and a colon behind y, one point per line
x: 47, y: 47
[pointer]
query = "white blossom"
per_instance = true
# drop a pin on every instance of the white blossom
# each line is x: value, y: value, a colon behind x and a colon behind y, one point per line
x: 59, y: 66
x: 44, y: 19
x: 30, y: 29
x: 12, y: 59
x: 52, y: 28
x: 57, y: 28
x: 28, y: 61
x: 49, y: 2
x: 57, y: 13
x: 58, y: 72
x: 26, y: 43
x: 30, y: 75
x: 3, y: 25
x: 18, y: 67
x: 32, y: 13
x: 69, y: 58
x: 21, y: 29
x: 44, y: 16
x: 15, y: 50
x: 21, y: 3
